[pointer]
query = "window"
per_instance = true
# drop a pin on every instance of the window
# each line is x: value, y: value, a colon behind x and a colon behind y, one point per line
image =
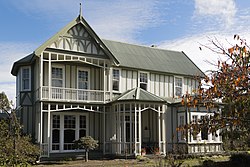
x: 67, y: 128
x: 116, y: 79
x: 204, y: 131
x: 195, y: 120
x: 69, y: 131
x: 83, y: 126
x: 57, y: 77
x: 55, y: 132
x: 83, y: 83
x: 178, y: 86
x: 181, y: 124
x: 57, y: 82
x: 143, y: 80
x: 214, y: 135
x: 25, y: 78
x: 83, y: 79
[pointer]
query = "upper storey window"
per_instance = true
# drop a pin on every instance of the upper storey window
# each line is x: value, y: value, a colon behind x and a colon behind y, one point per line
x: 57, y: 77
x: 143, y: 80
x: 83, y: 79
x: 26, y: 78
x: 178, y: 86
x: 116, y: 79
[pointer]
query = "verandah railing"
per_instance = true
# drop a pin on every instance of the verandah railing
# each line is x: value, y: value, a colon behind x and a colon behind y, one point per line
x: 71, y: 94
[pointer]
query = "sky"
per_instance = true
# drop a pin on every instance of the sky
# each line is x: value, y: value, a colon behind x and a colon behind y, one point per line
x: 181, y: 25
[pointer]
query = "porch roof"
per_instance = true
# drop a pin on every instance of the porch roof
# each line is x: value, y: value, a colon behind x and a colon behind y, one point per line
x: 138, y: 94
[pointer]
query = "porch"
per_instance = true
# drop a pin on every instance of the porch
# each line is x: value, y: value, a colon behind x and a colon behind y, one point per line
x: 59, y: 125
x: 132, y: 126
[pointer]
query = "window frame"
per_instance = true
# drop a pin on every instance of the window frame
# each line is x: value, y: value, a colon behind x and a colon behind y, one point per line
x: 29, y: 78
x: 175, y: 86
x: 63, y: 75
x: 203, y: 132
x: 83, y: 69
x: 119, y: 80
x: 195, y: 120
x: 139, y: 80
x: 62, y: 129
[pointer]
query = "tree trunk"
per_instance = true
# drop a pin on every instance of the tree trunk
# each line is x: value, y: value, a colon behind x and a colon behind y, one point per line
x: 86, y: 156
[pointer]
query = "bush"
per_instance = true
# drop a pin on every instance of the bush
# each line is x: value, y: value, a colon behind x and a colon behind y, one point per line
x: 240, y: 159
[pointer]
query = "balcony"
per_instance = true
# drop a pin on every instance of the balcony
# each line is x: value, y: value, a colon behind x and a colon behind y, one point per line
x: 72, y: 95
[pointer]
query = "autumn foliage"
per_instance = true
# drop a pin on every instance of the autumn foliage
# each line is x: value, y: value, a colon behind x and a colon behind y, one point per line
x: 228, y: 85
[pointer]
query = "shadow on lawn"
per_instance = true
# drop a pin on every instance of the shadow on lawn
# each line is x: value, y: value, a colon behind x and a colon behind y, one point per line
x: 239, y: 160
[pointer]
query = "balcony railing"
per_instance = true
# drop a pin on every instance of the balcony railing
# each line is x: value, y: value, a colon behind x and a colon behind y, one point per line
x: 70, y: 94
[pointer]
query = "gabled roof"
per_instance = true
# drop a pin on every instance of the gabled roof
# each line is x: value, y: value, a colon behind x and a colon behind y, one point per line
x: 153, y: 59
x: 138, y: 94
x: 126, y: 55
x: 40, y: 49
x: 78, y: 20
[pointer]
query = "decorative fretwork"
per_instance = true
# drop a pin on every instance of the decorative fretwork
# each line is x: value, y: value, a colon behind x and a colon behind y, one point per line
x: 78, y: 39
x: 69, y: 107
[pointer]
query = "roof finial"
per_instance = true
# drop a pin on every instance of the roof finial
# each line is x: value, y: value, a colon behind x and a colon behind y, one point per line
x: 80, y: 12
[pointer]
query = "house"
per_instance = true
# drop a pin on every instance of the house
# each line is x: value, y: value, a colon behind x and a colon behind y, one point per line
x: 123, y: 95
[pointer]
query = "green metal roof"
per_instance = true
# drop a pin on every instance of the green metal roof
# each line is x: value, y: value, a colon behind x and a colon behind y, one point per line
x: 152, y: 59
x: 22, y: 62
x: 127, y: 55
x: 138, y: 94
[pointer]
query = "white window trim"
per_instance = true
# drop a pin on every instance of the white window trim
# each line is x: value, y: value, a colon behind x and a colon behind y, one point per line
x: 24, y: 67
x: 182, y: 92
x: 77, y: 77
x: 119, y: 86
x: 148, y: 78
x: 77, y: 115
x: 63, y: 73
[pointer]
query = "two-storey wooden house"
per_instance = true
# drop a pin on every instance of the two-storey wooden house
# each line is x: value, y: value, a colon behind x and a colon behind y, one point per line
x: 125, y: 96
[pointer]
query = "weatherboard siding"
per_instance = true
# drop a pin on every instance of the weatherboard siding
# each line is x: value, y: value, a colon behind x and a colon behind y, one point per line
x: 159, y: 84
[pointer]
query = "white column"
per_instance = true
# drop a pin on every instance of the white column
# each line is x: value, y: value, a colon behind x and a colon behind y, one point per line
x: 135, y: 132
x: 159, y: 129
x: 119, y: 130
x: 61, y: 143
x: 111, y: 83
x: 41, y: 123
x: 104, y: 130
x: 140, y: 128
x: 104, y: 82
x: 124, y: 131
x: 49, y: 130
x: 49, y: 76
x: 41, y: 76
x: 130, y: 127
x: 164, y: 129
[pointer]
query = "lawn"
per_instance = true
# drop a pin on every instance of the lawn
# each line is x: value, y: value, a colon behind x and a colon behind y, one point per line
x: 141, y: 161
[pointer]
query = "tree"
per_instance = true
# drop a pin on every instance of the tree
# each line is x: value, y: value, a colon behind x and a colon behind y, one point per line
x: 87, y: 143
x: 15, y: 148
x: 229, y: 84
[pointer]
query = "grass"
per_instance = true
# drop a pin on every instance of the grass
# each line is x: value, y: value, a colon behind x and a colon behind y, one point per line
x: 138, y: 162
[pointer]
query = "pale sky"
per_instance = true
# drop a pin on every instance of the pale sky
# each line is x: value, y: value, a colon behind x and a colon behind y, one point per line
x: 170, y: 24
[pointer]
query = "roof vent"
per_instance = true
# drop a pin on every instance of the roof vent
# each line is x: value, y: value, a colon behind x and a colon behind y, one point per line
x: 153, y: 46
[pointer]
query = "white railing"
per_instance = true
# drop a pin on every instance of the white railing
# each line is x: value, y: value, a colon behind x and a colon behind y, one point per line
x: 70, y: 94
